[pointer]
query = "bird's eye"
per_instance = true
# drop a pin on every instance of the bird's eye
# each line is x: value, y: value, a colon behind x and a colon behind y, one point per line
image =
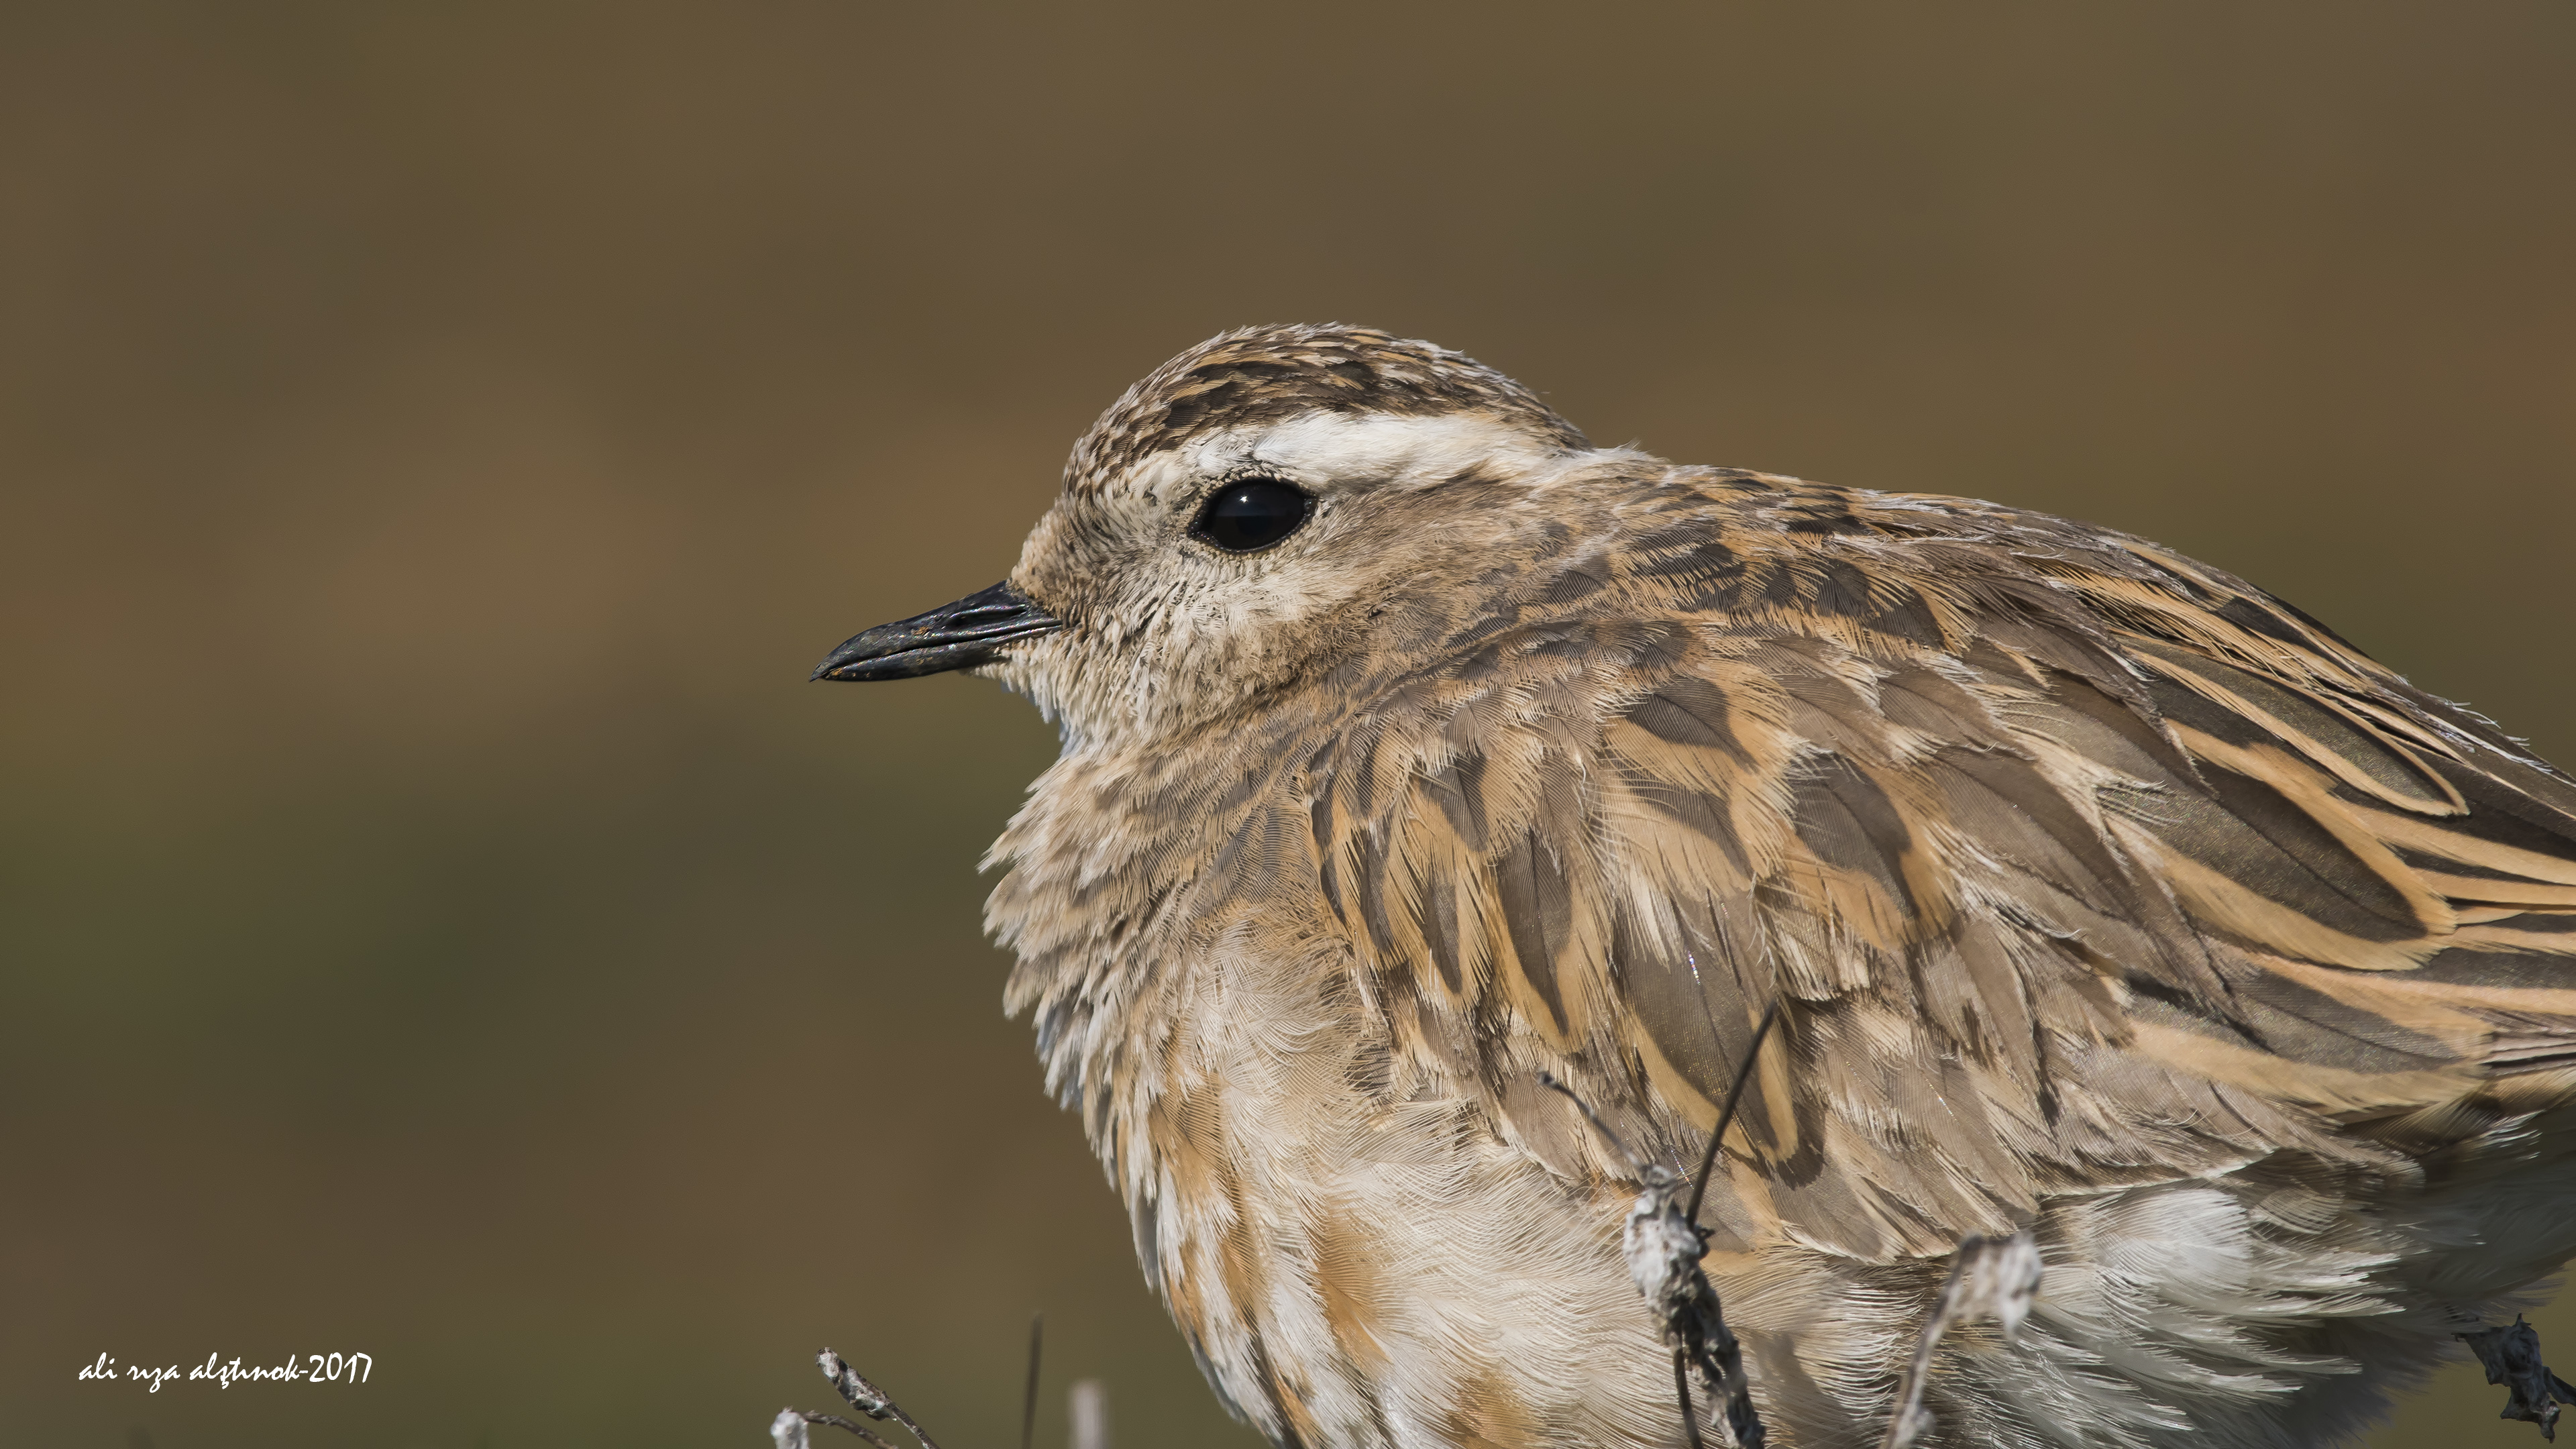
x: 1251, y: 514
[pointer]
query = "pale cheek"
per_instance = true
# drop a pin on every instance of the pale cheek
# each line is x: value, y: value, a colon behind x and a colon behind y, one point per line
x: 1254, y: 607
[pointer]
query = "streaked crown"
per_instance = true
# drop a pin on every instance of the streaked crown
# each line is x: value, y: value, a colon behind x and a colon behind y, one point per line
x: 1256, y: 375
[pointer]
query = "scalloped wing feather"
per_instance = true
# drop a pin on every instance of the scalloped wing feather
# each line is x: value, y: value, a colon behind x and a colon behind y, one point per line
x: 2074, y: 864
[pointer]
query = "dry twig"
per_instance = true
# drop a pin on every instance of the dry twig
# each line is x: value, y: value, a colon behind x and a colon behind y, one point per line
x: 1029, y: 1396
x: 2511, y: 1355
x: 1664, y: 1243
x: 788, y: 1430
x: 1989, y: 1278
x: 1087, y: 1406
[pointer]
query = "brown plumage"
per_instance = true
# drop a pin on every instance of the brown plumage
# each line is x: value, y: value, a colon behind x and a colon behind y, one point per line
x: 2104, y: 894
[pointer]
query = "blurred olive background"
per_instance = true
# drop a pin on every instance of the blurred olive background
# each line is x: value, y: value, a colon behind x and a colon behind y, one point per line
x: 439, y: 919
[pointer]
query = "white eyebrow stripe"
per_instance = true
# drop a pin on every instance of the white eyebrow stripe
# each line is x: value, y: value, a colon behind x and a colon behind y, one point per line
x: 1320, y: 446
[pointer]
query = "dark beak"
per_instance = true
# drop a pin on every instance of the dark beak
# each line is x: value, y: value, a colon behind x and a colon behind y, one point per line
x: 961, y: 635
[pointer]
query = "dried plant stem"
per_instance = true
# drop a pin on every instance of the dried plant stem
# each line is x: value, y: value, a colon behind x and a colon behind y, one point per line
x: 1087, y: 1404
x: 1726, y: 1114
x: 1989, y: 1278
x: 1029, y: 1397
x: 2511, y: 1357
x: 865, y: 1397
x: 837, y: 1422
x: 1681, y: 1392
x: 1664, y: 1243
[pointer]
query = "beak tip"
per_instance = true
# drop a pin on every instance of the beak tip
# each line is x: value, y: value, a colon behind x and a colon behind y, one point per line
x: 962, y: 635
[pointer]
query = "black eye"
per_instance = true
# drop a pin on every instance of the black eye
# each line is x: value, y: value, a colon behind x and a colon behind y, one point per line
x: 1252, y: 514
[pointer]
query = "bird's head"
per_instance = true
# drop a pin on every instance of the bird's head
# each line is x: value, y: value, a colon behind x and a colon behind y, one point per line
x: 1269, y: 506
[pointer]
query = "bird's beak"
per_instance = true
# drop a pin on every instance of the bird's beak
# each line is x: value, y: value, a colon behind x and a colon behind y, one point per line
x: 961, y: 635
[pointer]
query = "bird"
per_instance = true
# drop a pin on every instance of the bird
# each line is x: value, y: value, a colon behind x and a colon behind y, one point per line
x: 1415, y: 752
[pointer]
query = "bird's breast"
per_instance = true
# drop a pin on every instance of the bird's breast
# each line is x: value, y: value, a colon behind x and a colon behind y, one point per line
x: 1362, y: 1266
